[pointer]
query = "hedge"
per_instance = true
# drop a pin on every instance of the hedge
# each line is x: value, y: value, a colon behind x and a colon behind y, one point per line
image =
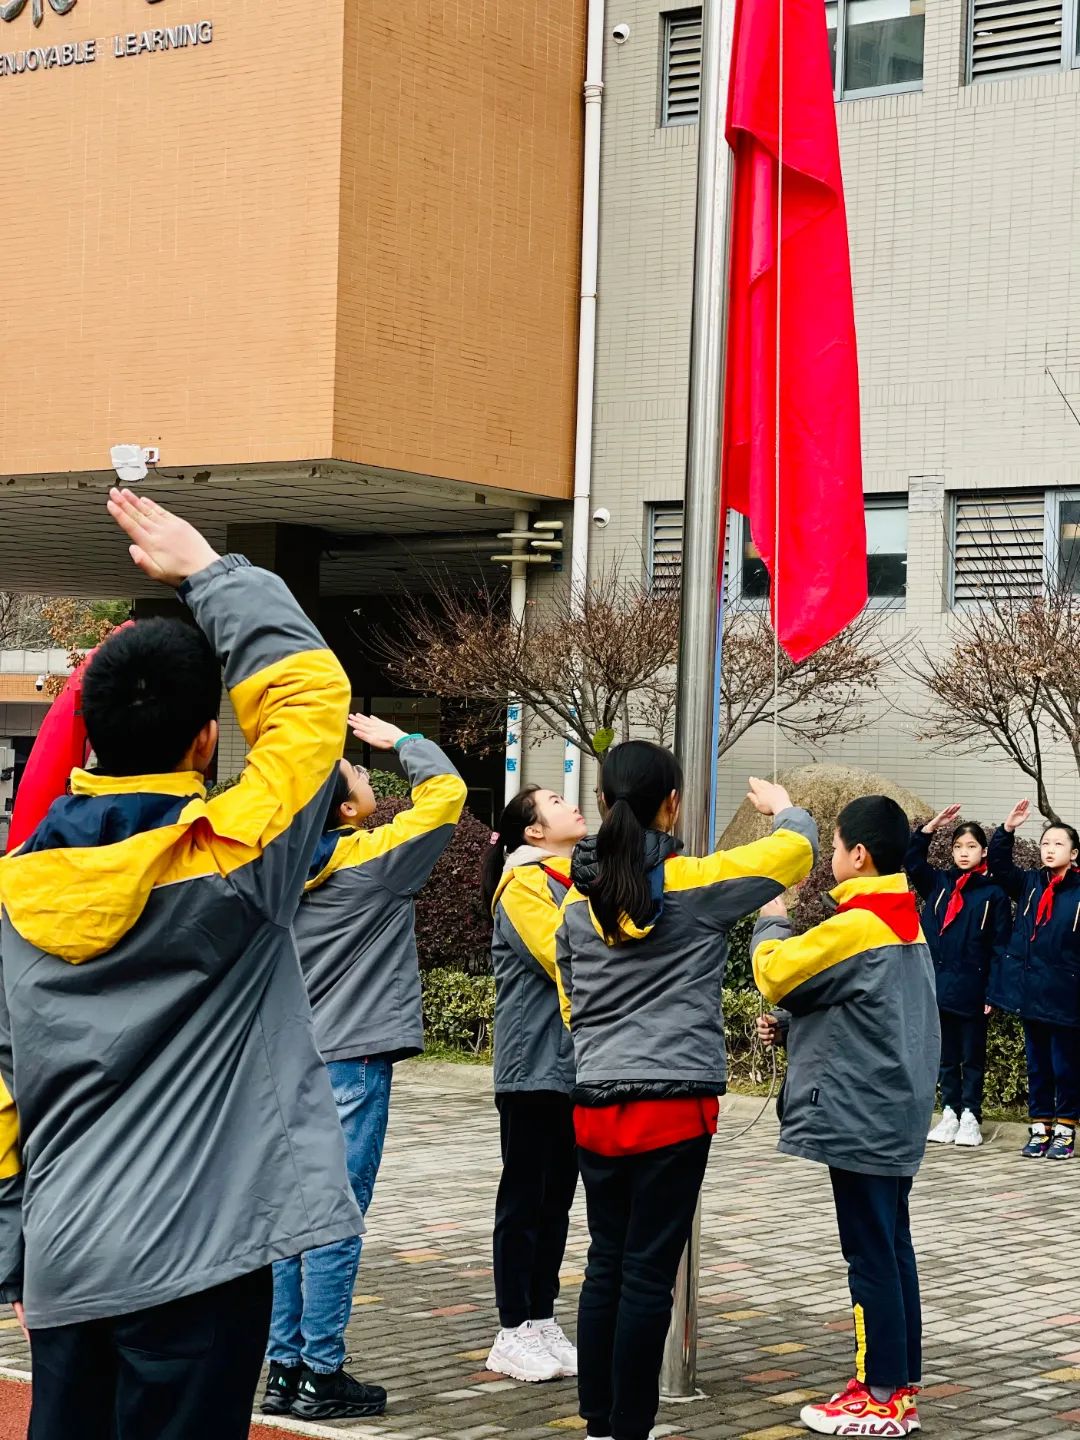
x: 459, y: 1010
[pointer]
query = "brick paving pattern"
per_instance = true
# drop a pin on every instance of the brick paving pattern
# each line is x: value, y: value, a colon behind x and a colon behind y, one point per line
x: 995, y: 1234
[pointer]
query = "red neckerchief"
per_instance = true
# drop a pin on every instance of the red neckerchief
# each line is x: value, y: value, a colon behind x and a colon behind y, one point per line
x: 553, y: 874
x: 898, y: 911
x: 956, y: 899
x: 1046, y: 901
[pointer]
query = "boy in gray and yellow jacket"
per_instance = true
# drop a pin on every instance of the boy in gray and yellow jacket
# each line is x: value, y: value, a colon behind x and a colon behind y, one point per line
x: 355, y: 934
x: 860, y: 1008
x: 175, y: 1131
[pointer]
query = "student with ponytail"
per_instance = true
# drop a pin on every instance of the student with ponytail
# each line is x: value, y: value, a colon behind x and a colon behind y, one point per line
x: 525, y: 879
x: 1039, y: 977
x: 641, y: 955
x: 967, y: 920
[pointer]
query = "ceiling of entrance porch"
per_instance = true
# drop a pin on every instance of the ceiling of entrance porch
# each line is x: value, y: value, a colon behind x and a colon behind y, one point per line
x: 57, y: 538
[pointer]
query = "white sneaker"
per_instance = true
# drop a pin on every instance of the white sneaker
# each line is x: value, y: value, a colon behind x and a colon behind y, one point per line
x: 945, y: 1131
x: 968, y: 1132
x: 557, y: 1345
x: 522, y: 1355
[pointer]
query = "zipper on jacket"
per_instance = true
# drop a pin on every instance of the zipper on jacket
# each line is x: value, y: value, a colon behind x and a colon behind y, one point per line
x: 937, y: 902
x: 986, y: 912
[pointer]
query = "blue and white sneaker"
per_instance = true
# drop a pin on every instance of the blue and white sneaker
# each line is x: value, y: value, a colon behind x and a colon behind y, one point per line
x: 1038, y: 1141
x: 1061, y: 1146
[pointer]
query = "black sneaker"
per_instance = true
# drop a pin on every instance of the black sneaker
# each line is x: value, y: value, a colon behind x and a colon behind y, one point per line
x: 336, y: 1397
x: 282, y: 1384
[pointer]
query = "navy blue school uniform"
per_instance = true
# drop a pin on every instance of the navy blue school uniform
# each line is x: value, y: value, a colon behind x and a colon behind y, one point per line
x: 1038, y: 978
x: 963, y: 949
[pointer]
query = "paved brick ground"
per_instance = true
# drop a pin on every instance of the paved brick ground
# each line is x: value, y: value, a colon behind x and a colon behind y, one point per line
x: 996, y: 1237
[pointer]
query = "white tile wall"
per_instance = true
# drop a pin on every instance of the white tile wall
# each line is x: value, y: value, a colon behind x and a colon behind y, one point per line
x: 964, y: 206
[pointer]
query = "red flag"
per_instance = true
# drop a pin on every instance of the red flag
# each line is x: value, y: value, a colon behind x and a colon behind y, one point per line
x: 819, y: 572
x: 60, y: 746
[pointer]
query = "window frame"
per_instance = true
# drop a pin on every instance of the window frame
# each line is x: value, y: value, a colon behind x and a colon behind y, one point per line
x: 1070, y: 45
x: 667, y: 19
x: 839, y: 92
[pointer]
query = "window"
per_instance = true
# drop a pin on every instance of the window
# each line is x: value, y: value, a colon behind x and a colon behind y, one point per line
x: 681, y: 98
x: 1067, y: 530
x: 1009, y: 37
x: 886, y: 554
x: 998, y: 544
x: 876, y: 45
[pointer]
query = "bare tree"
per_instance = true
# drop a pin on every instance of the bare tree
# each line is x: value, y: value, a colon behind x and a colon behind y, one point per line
x: 588, y: 674
x: 609, y: 670
x: 22, y: 623
x: 822, y: 696
x: 1009, y: 676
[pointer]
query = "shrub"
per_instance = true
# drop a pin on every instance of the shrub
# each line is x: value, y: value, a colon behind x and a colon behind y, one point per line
x: 459, y: 1010
x: 389, y: 785
x: 453, y: 930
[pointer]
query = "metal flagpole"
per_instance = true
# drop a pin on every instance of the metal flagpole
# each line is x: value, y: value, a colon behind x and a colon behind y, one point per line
x: 702, y: 540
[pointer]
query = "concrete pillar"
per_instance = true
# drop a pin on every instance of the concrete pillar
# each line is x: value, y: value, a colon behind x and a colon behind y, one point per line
x: 292, y: 551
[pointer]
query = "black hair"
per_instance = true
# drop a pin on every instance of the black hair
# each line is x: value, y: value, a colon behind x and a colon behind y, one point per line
x: 881, y: 827
x: 970, y: 828
x: 515, y: 819
x: 342, y: 791
x: 1074, y: 838
x: 636, y: 778
x: 147, y: 693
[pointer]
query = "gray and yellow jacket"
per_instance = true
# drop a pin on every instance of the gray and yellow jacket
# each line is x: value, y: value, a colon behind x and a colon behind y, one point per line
x: 864, y: 1037
x: 355, y: 928
x: 533, y: 1048
x: 175, y: 1125
x: 647, y: 1014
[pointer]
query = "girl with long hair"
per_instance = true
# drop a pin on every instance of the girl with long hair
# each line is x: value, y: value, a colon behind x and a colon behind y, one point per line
x: 525, y: 878
x: 641, y: 955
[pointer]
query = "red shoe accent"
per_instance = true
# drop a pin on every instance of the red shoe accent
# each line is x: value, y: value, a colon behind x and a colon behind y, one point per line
x: 855, y: 1412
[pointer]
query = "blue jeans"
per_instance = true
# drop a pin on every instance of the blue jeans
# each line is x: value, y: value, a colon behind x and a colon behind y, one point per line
x: 313, y: 1292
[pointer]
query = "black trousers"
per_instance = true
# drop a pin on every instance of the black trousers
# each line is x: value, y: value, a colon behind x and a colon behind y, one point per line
x: 1053, y: 1066
x: 183, y: 1371
x: 875, y: 1236
x: 532, y: 1210
x: 963, y: 1062
x: 641, y: 1209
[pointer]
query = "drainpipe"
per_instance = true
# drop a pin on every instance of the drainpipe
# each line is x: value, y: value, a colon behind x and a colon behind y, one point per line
x: 590, y: 246
x: 519, y: 570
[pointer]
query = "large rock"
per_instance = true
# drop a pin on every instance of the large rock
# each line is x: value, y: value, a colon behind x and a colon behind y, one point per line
x: 824, y: 790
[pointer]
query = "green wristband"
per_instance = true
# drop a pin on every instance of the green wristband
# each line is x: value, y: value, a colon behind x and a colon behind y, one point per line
x: 414, y: 736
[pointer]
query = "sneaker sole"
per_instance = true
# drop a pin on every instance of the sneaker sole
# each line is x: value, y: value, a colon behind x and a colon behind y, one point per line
x: 968, y: 1144
x: 333, y: 1410
x: 513, y: 1372
x: 276, y: 1407
x: 883, y: 1429
x: 940, y: 1140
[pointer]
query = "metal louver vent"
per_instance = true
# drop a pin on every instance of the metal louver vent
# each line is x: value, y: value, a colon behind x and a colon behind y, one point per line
x: 998, y: 545
x: 682, y: 68
x: 1014, y: 35
x: 665, y: 548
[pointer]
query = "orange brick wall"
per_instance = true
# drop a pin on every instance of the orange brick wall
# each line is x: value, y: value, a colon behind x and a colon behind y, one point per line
x: 460, y: 238
x: 171, y: 227
x: 170, y: 237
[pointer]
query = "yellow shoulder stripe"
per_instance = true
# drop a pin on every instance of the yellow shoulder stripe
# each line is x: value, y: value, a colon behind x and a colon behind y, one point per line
x: 781, y: 966
x: 436, y: 802
x: 784, y: 856
x: 531, y: 910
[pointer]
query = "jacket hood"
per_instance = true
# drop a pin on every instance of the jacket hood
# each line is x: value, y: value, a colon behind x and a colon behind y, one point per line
x: 526, y: 855
x: 82, y: 879
x: 585, y: 872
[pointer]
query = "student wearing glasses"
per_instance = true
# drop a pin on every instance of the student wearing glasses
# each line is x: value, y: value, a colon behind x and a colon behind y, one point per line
x: 355, y: 936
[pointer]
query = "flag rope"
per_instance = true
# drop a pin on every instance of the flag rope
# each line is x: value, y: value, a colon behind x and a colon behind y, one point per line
x: 776, y: 458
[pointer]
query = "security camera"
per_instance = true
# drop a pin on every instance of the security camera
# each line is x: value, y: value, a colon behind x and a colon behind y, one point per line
x: 621, y: 34
x: 39, y: 683
x: 601, y: 518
